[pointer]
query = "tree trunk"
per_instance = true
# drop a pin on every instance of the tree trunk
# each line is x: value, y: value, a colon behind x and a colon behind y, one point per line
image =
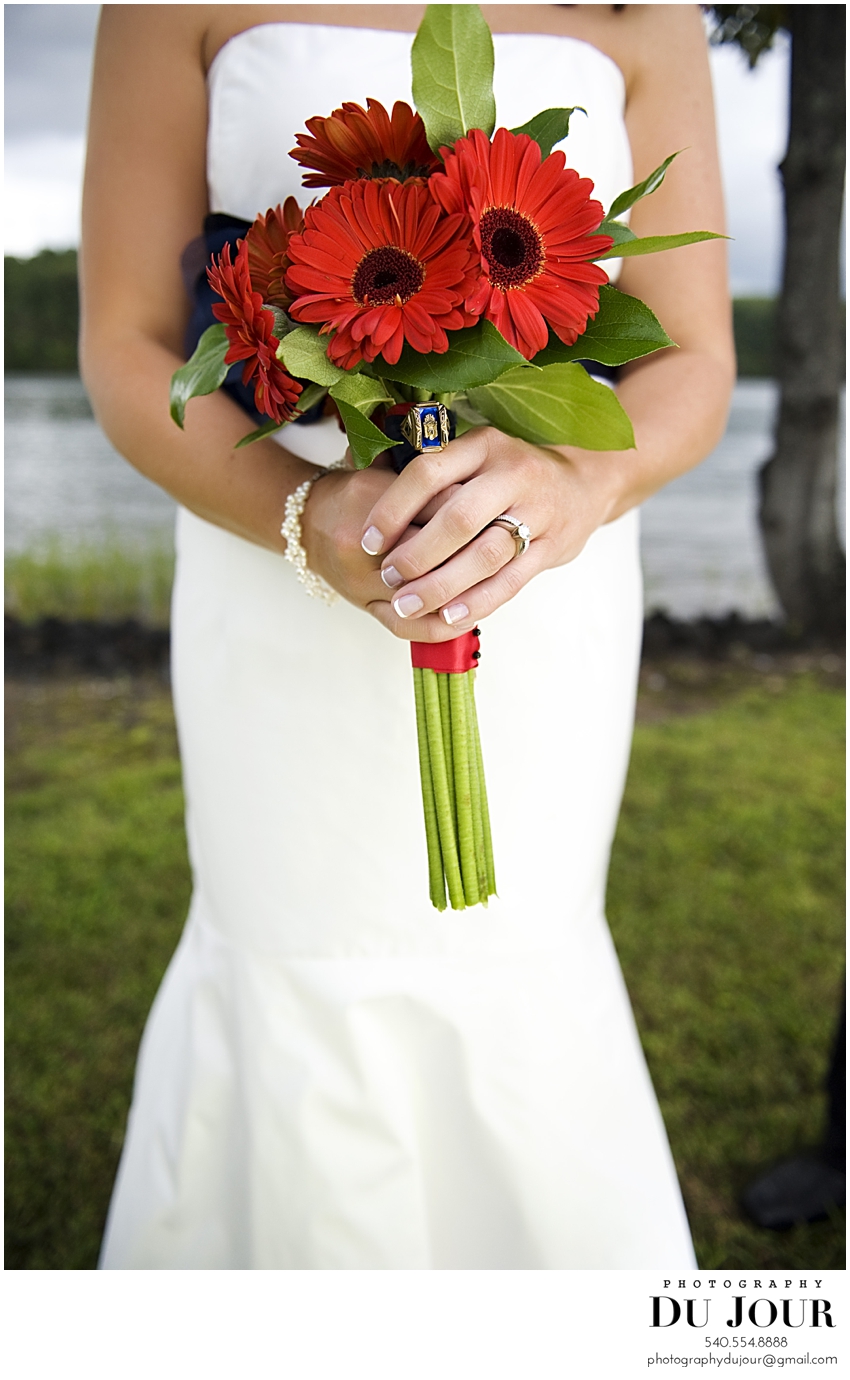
x: 798, y: 483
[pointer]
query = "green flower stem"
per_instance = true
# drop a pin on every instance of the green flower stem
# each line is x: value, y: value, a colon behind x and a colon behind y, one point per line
x: 442, y: 796
x: 485, y: 809
x: 475, y: 791
x: 463, y: 793
x: 446, y: 721
x: 436, y: 879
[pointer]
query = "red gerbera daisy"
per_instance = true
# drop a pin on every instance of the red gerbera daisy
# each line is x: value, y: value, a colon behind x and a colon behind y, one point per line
x: 250, y: 329
x: 379, y: 263
x: 353, y: 143
x: 267, y: 258
x: 534, y: 223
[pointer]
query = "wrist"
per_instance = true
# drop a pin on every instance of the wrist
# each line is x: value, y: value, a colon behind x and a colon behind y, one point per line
x: 291, y: 532
x: 605, y: 477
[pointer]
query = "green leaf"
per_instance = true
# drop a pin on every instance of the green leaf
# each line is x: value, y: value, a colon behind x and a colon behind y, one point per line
x: 304, y: 352
x: 282, y: 323
x: 361, y: 392
x: 308, y: 398
x: 463, y: 425
x: 558, y: 405
x: 624, y: 328
x: 475, y: 356
x: 620, y: 234
x: 655, y: 244
x: 452, y: 63
x: 549, y: 127
x: 202, y: 374
x: 364, y: 438
x: 649, y: 184
x: 267, y: 429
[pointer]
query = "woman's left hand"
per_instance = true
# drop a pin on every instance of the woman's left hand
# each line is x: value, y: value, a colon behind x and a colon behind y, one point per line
x: 457, y: 569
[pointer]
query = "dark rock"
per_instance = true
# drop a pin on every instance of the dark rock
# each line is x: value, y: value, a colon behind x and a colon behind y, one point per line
x: 717, y: 639
x: 63, y: 646
x: 805, y: 1189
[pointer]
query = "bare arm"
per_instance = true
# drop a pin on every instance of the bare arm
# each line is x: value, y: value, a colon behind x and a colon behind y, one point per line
x: 677, y: 400
x: 145, y: 198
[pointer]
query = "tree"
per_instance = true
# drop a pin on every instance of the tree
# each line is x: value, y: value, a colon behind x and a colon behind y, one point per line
x: 42, y: 312
x: 798, y: 482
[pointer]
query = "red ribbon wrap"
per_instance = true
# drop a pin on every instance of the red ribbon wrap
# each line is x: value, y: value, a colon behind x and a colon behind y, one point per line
x: 453, y: 657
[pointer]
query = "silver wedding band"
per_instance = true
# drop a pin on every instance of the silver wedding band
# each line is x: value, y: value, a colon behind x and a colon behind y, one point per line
x: 520, y: 532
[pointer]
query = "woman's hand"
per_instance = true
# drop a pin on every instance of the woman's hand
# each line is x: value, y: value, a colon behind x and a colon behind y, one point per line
x: 332, y: 527
x: 448, y: 575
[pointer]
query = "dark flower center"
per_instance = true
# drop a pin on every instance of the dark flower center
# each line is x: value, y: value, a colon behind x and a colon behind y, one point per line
x: 390, y: 169
x: 385, y: 274
x: 512, y: 246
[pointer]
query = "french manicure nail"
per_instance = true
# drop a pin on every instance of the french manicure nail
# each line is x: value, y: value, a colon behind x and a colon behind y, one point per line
x: 391, y: 577
x: 406, y: 604
x: 373, y: 541
x: 455, y: 612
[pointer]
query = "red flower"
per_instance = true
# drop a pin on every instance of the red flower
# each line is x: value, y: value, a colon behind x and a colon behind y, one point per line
x: 378, y: 263
x: 353, y: 143
x: 533, y: 224
x: 250, y: 329
x: 267, y: 258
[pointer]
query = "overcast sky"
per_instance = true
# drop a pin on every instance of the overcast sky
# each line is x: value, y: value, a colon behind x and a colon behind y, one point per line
x: 48, y: 69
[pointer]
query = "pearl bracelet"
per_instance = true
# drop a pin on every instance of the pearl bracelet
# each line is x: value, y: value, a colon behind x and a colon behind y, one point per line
x: 290, y: 530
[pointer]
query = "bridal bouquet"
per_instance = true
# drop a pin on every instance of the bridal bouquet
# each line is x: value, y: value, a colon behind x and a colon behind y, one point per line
x: 450, y: 277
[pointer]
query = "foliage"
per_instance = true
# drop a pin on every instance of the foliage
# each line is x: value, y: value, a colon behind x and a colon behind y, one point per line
x: 752, y: 27
x: 624, y: 328
x: 452, y: 72
x: 475, y: 356
x: 304, y: 352
x: 42, y: 312
x: 105, y: 582
x: 755, y: 336
x: 364, y: 438
x: 550, y: 127
x: 725, y: 903
x: 202, y: 374
x: 560, y: 403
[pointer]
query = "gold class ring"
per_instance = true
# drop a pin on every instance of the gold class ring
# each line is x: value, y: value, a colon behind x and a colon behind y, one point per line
x: 426, y: 426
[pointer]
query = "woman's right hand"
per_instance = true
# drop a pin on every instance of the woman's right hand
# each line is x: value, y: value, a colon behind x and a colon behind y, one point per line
x: 331, y: 528
x: 331, y: 531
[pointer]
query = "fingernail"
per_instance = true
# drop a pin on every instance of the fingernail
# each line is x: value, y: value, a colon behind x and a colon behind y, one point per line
x: 372, y: 541
x: 406, y: 604
x: 455, y: 612
x: 391, y: 577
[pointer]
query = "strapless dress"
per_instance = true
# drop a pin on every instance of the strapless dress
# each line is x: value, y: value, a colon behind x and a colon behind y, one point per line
x: 334, y: 1075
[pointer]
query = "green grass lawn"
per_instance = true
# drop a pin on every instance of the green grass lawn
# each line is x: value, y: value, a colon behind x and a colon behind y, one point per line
x: 725, y: 901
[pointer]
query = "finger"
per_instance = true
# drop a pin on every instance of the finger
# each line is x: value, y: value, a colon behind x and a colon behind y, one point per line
x: 430, y: 629
x: 419, y: 483
x: 441, y: 588
x: 460, y: 519
x: 377, y: 584
x: 435, y: 505
x: 382, y: 461
x: 485, y: 598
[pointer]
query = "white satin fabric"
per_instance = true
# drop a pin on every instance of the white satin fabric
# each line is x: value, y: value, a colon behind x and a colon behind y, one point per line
x: 334, y: 1075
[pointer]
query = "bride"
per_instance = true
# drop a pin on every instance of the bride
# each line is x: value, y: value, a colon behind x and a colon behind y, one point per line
x: 334, y: 1075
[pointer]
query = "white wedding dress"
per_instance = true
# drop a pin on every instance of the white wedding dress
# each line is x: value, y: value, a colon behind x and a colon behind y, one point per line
x: 333, y: 1075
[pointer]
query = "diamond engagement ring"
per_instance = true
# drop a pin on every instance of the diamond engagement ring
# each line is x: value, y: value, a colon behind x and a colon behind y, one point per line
x: 518, y: 530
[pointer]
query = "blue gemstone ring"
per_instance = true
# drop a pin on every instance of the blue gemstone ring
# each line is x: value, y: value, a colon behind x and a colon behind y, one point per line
x: 426, y: 426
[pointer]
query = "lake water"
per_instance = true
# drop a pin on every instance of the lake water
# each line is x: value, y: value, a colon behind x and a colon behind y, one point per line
x: 701, y: 546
